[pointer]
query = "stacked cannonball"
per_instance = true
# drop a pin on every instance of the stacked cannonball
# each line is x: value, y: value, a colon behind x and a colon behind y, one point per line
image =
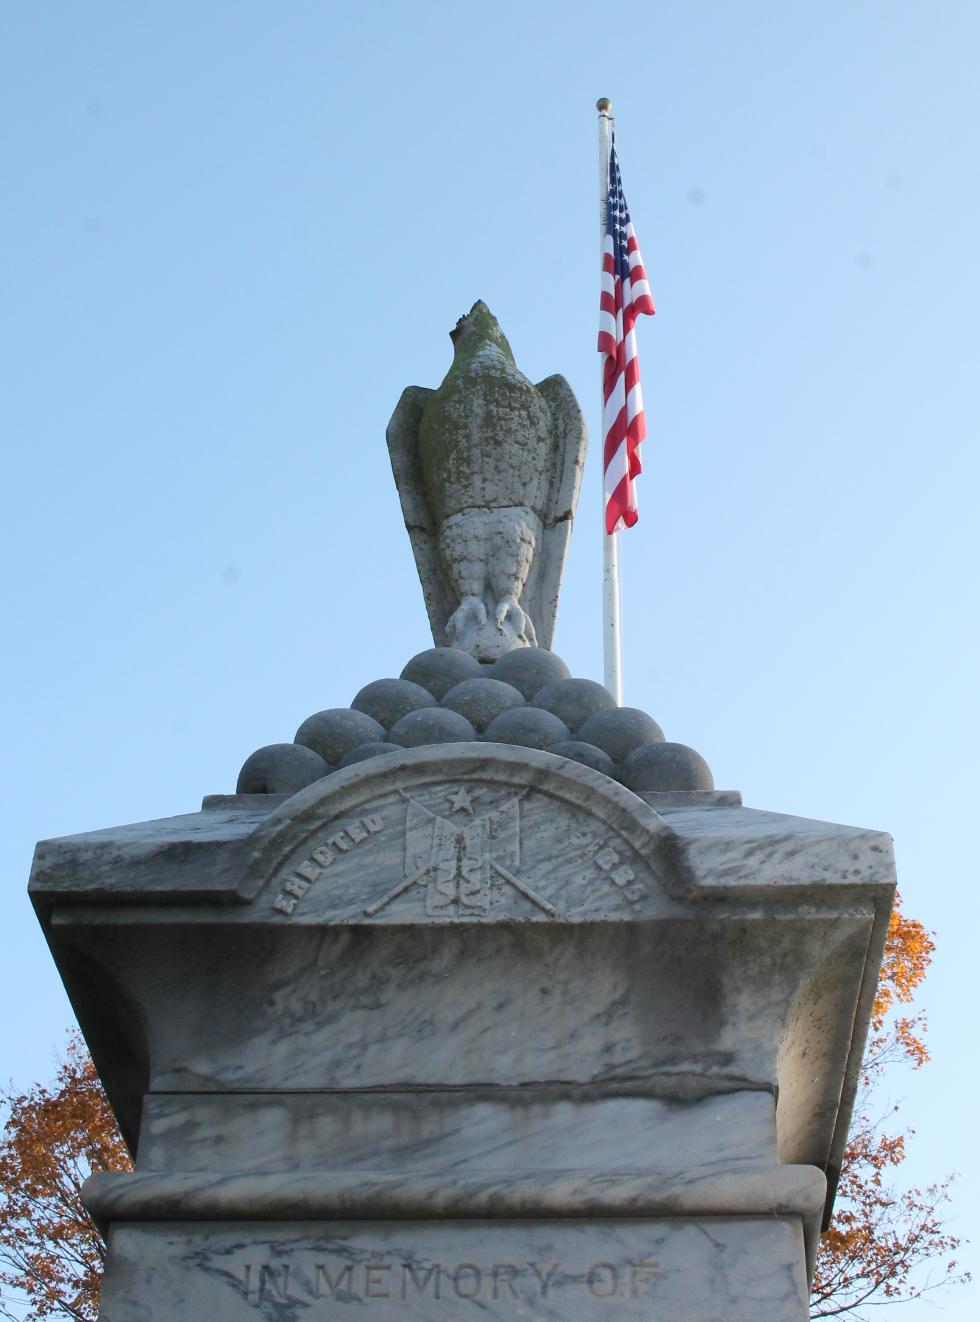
x: 445, y: 696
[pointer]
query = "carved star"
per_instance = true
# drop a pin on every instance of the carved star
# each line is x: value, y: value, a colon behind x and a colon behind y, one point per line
x: 459, y: 801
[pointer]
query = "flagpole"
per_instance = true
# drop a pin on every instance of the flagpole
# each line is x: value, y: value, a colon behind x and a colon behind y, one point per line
x: 612, y: 642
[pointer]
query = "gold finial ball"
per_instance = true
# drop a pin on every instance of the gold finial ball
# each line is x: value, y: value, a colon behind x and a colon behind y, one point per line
x: 603, y: 105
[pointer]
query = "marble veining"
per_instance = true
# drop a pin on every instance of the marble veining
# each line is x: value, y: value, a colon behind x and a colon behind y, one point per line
x: 704, y: 1270
x: 485, y: 983
x: 504, y: 1130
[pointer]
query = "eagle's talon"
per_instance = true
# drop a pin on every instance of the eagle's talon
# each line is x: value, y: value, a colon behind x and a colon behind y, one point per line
x: 507, y: 608
x: 519, y: 622
x: 470, y: 611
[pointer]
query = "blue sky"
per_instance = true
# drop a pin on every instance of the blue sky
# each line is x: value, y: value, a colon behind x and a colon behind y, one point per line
x: 231, y: 233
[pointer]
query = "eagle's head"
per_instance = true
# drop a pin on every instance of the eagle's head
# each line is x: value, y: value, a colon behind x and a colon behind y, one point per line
x: 477, y: 328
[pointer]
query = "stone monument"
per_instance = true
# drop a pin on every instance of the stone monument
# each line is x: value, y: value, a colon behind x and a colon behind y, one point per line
x: 476, y: 1000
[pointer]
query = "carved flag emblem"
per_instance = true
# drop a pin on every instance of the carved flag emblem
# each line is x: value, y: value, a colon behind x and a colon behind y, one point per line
x: 457, y: 861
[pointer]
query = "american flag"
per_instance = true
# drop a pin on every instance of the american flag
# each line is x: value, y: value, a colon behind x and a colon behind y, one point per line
x: 625, y: 294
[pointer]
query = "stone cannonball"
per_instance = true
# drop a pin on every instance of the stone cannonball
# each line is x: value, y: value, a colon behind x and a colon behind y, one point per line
x: 618, y: 730
x: 281, y: 769
x: 432, y: 725
x: 574, y: 700
x: 438, y: 669
x: 480, y: 700
x: 665, y: 767
x: 527, y: 727
x: 529, y: 669
x: 587, y: 754
x: 388, y: 700
x: 363, y: 751
x: 334, y: 732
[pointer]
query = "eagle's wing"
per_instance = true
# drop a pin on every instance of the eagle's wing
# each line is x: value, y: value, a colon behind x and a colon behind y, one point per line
x: 403, y: 449
x: 570, y: 440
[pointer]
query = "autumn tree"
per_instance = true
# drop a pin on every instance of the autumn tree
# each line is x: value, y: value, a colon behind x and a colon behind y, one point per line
x: 885, y: 1244
x: 51, y: 1254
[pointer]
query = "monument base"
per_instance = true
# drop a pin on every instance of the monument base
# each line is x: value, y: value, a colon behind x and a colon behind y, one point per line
x: 704, y: 1269
x: 464, y: 1032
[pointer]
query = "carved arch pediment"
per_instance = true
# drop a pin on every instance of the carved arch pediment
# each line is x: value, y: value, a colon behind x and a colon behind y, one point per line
x: 466, y: 832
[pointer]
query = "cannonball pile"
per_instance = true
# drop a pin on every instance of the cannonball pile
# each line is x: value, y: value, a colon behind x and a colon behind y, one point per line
x: 445, y: 696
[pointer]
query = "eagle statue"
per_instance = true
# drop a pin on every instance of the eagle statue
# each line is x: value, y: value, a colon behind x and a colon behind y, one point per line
x: 488, y: 469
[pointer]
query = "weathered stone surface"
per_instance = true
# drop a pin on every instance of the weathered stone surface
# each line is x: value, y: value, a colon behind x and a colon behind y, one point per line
x: 618, y: 730
x: 529, y: 669
x: 334, y: 732
x: 432, y: 725
x: 488, y: 469
x: 526, y: 727
x: 587, y: 754
x: 388, y: 700
x: 325, y: 1196
x: 499, y: 1130
x: 364, y: 751
x: 463, y: 986
x: 714, y: 1270
x: 480, y: 691
x: 281, y: 769
x: 439, y: 668
x: 574, y: 700
x: 666, y: 767
x: 480, y: 700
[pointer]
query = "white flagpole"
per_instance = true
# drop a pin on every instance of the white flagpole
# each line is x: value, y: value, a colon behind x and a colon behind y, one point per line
x: 612, y: 642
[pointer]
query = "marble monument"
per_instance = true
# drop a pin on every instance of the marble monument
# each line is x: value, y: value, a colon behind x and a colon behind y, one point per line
x: 476, y: 999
